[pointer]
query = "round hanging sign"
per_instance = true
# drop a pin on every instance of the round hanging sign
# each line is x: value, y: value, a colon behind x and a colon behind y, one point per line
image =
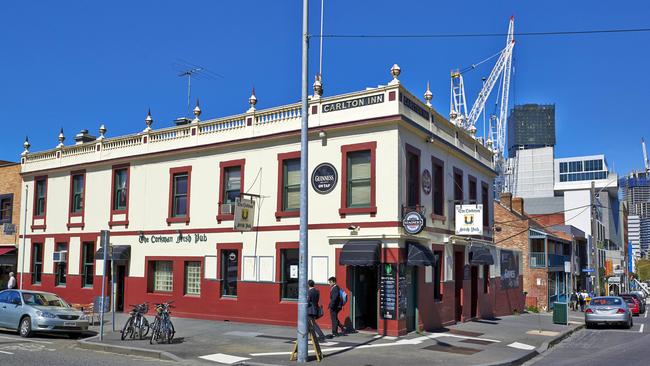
x: 324, y: 178
x: 413, y: 222
x: 232, y: 256
x: 426, y: 181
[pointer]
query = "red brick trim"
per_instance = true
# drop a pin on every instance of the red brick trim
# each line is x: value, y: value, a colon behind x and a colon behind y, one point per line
x: 345, y: 149
x: 279, y: 211
x: 113, y: 211
x: 83, y: 201
x: 44, y: 216
x: 172, y: 172
x: 241, y: 163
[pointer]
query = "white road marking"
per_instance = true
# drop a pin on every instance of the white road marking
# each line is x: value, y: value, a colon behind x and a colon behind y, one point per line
x: 523, y: 346
x: 223, y: 358
x: 6, y: 353
x: 646, y: 314
x: 25, y: 340
x: 641, y: 329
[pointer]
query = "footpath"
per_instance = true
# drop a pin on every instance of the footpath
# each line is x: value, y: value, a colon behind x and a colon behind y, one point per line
x: 509, y: 340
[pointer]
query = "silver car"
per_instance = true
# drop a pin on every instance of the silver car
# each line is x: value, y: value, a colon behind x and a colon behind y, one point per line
x: 608, y: 310
x: 35, y: 311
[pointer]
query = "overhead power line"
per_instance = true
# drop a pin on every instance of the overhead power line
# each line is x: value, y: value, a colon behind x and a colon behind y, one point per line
x: 474, y: 35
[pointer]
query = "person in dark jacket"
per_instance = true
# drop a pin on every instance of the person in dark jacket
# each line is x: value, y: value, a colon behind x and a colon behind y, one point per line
x: 334, y: 307
x: 314, y: 311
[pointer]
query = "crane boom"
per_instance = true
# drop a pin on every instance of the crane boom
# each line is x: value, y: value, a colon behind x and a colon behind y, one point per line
x: 645, y: 156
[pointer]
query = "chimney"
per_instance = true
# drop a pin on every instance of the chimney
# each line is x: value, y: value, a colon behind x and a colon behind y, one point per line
x: 506, y: 200
x: 518, y: 205
x: 83, y: 137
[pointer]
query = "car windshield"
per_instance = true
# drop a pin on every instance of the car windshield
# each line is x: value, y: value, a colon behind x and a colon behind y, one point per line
x: 32, y: 298
x: 606, y: 301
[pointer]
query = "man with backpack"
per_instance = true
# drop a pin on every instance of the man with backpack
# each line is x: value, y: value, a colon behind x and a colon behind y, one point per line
x: 338, y: 298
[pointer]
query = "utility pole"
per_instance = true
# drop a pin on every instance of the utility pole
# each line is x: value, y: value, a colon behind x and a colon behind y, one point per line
x: 594, y: 238
x: 303, y: 331
x: 22, y: 265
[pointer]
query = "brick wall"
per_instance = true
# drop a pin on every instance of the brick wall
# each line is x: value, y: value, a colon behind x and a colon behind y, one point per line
x: 11, y: 182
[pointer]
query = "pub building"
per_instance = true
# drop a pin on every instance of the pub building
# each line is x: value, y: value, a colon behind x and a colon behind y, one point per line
x: 206, y: 213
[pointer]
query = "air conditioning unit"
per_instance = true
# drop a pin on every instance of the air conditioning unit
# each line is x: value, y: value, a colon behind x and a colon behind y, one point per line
x: 227, y: 208
x: 59, y: 257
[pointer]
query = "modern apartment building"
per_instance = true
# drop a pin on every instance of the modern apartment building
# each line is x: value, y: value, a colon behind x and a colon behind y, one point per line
x: 635, y: 191
x: 531, y: 126
x: 176, y: 200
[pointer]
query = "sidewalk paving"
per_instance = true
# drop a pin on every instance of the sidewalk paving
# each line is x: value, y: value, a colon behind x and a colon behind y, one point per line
x: 503, y: 341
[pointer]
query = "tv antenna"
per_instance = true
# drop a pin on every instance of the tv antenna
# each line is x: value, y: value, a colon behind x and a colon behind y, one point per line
x: 189, y: 70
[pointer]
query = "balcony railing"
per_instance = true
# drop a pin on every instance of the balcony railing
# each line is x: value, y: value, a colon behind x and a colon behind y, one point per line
x: 539, y: 260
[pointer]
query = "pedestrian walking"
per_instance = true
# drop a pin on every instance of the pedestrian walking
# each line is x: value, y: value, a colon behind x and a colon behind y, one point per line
x: 574, y: 300
x: 12, y: 281
x: 334, y: 307
x: 581, y: 299
x: 314, y: 310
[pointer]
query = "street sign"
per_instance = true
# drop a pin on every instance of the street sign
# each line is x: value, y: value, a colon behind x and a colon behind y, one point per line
x: 618, y: 271
x: 9, y: 229
x: 567, y: 267
x: 588, y: 270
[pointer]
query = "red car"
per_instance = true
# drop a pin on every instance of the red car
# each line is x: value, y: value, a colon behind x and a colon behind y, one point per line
x: 632, y: 303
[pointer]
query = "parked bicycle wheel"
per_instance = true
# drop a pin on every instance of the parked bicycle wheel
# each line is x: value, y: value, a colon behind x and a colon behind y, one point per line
x: 154, y: 333
x: 143, y: 329
x: 127, y: 331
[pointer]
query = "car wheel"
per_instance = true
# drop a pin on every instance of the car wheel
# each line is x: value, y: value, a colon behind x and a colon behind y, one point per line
x: 25, y: 329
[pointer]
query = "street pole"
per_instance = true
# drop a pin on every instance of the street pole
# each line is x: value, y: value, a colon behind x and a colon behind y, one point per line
x: 104, y: 239
x: 594, y: 239
x: 22, y: 265
x: 304, y: 141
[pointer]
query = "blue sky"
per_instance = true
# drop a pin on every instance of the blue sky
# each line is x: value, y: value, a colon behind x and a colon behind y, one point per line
x: 77, y: 64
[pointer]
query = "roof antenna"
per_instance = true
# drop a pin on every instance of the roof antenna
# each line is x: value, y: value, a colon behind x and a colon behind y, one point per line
x: 190, y: 70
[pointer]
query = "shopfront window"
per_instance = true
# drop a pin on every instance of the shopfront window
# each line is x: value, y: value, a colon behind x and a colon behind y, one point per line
x: 61, y: 267
x: 289, y: 266
x: 6, y: 208
x: 120, y: 189
x: 358, y: 183
x: 163, y: 279
x: 232, y: 184
x: 40, y: 196
x: 88, y: 269
x: 229, y: 270
x: 77, y: 193
x: 37, y: 263
x: 291, y: 185
x: 193, y: 278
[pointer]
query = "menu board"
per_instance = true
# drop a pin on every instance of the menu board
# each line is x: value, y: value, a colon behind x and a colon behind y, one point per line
x: 388, y: 291
x: 403, y: 292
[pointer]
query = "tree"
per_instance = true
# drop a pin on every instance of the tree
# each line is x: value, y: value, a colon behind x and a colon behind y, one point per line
x: 643, y: 269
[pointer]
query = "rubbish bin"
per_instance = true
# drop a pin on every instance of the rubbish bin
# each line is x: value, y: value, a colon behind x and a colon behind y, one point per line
x: 561, y: 313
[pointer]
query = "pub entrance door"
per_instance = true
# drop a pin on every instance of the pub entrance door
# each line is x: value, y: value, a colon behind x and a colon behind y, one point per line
x: 364, y: 293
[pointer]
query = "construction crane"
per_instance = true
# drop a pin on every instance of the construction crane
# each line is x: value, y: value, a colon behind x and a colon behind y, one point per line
x: 495, y: 138
x: 645, y: 156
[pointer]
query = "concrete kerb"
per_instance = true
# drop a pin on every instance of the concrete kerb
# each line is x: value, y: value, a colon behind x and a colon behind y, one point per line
x: 92, y: 344
x: 538, y: 351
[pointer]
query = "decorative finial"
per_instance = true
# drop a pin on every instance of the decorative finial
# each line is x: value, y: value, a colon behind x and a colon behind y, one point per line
x: 395, y: 71
x: 197, y: 112
x: 428, y: 95
x: 318, y: 86
x: 252, y: 100
x: 472, y: 130
x: 61, y: 138
x: 26, y: 145
x: 148, y: 120
x: 102, y: 131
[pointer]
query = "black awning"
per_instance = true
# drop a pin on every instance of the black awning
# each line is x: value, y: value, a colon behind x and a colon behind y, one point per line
x: 360, y: 253
x: 120, y: 253
x: 479, y: 254
x: 419, y: 255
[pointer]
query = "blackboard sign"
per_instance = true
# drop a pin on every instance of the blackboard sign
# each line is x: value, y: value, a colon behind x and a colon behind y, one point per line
x: 324, y: 178
x: 509, y: 269
x: 388, y: 291
x: 403, y: 292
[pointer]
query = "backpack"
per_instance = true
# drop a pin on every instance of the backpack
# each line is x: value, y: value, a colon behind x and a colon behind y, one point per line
x: 343, y: 297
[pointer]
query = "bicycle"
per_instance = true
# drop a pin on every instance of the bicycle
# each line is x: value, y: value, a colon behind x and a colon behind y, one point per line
x: 162, y: 330
x: 136, y: 322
